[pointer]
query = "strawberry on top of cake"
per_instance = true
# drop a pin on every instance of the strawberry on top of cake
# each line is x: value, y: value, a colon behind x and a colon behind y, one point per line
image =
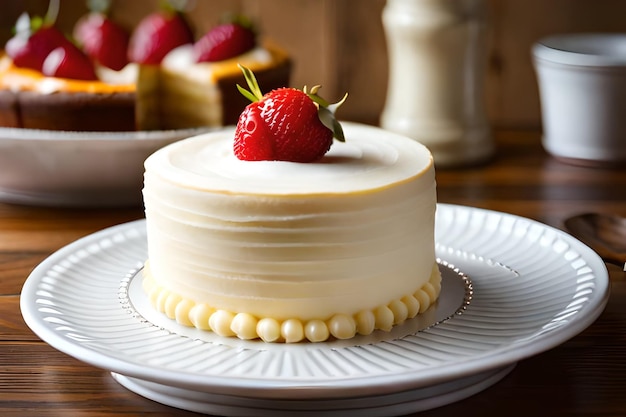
x: 285, y: 124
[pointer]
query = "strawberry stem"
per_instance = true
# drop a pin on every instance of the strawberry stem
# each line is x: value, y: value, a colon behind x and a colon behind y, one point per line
x: 313, y: 95
x: 326, y: 112
x: 328, y: 119
x: 333, y: 107
x: 255, y: 93
x: 52, y: 13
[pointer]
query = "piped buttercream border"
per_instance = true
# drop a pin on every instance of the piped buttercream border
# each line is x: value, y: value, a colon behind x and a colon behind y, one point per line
x: 247, y: 326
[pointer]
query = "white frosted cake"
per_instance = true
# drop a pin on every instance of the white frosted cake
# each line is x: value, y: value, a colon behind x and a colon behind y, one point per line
x: 286, y: 251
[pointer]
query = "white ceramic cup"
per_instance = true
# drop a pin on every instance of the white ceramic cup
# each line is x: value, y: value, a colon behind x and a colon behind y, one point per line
x: 582, y: 88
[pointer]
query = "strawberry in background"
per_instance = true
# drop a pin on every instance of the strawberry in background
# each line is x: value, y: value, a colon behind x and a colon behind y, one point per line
x: 40, y: 46
x: 67, y: 61
x: 159, y: 33
x: 35, y: 38
x: 225, y: 41
x: 103, y: 40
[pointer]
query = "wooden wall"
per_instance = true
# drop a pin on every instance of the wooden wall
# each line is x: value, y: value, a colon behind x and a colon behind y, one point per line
x: 340, y: 43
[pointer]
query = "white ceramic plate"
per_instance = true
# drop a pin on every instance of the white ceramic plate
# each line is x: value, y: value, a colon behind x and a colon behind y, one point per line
x: 529, y: 288
x: 58, y: 168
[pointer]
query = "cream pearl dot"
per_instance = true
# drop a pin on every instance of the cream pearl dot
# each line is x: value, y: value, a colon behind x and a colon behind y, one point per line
x: 316, y: 331
x: 342, y: 326
x: 170, y: 304
x: 268, y: 329
x: 399, y: 310
x: 424, y: 300
x: 365, y: 322
x: 220, y: 322
x: 292, y: 331
x: 182, y: 312
x: 412, y: 305
x: 244, y: 326
x: 200, y: 315
x: 384, y: 318
x: 429, y: 289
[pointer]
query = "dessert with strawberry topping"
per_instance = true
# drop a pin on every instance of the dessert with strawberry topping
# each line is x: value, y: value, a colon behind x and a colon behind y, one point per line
x: 48, y: 82
x: 111, y: 79
x: 195, y: 82
x: 247, y: 240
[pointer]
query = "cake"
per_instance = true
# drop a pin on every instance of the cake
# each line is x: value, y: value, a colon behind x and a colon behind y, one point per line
x: 127, y: 96
x: 194, y: 84
x: 48, y: 82
x: 181, y: 93
x: 160, y: 98
x: 287, y: 252
x: 29, y: 99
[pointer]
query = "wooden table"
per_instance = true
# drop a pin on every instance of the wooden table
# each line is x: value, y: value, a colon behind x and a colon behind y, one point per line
x: 585, y: 376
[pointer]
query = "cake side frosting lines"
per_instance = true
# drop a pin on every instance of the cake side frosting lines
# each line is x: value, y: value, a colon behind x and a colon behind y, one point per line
x: 296, y: 263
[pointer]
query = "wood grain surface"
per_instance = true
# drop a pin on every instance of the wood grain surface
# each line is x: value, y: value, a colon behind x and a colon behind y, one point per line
x: 585, y: 376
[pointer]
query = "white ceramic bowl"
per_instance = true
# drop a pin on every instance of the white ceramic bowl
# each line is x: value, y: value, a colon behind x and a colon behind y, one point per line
x: 582, y: 87
x: 57, y: 168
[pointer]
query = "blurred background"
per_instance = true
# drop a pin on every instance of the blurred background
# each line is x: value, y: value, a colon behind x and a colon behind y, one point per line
x: 340, y: 44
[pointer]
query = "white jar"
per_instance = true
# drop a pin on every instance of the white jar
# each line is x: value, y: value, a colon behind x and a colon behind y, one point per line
x: 437, y: 58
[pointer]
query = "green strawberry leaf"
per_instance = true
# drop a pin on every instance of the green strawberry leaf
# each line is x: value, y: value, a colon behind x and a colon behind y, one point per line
x: 328, y: 119
x: 254, y: 94
x: 326, y: 112
x: 313, y: 95
x: 52, y: 13
x: 333, y: 107
x: 246, y: 94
